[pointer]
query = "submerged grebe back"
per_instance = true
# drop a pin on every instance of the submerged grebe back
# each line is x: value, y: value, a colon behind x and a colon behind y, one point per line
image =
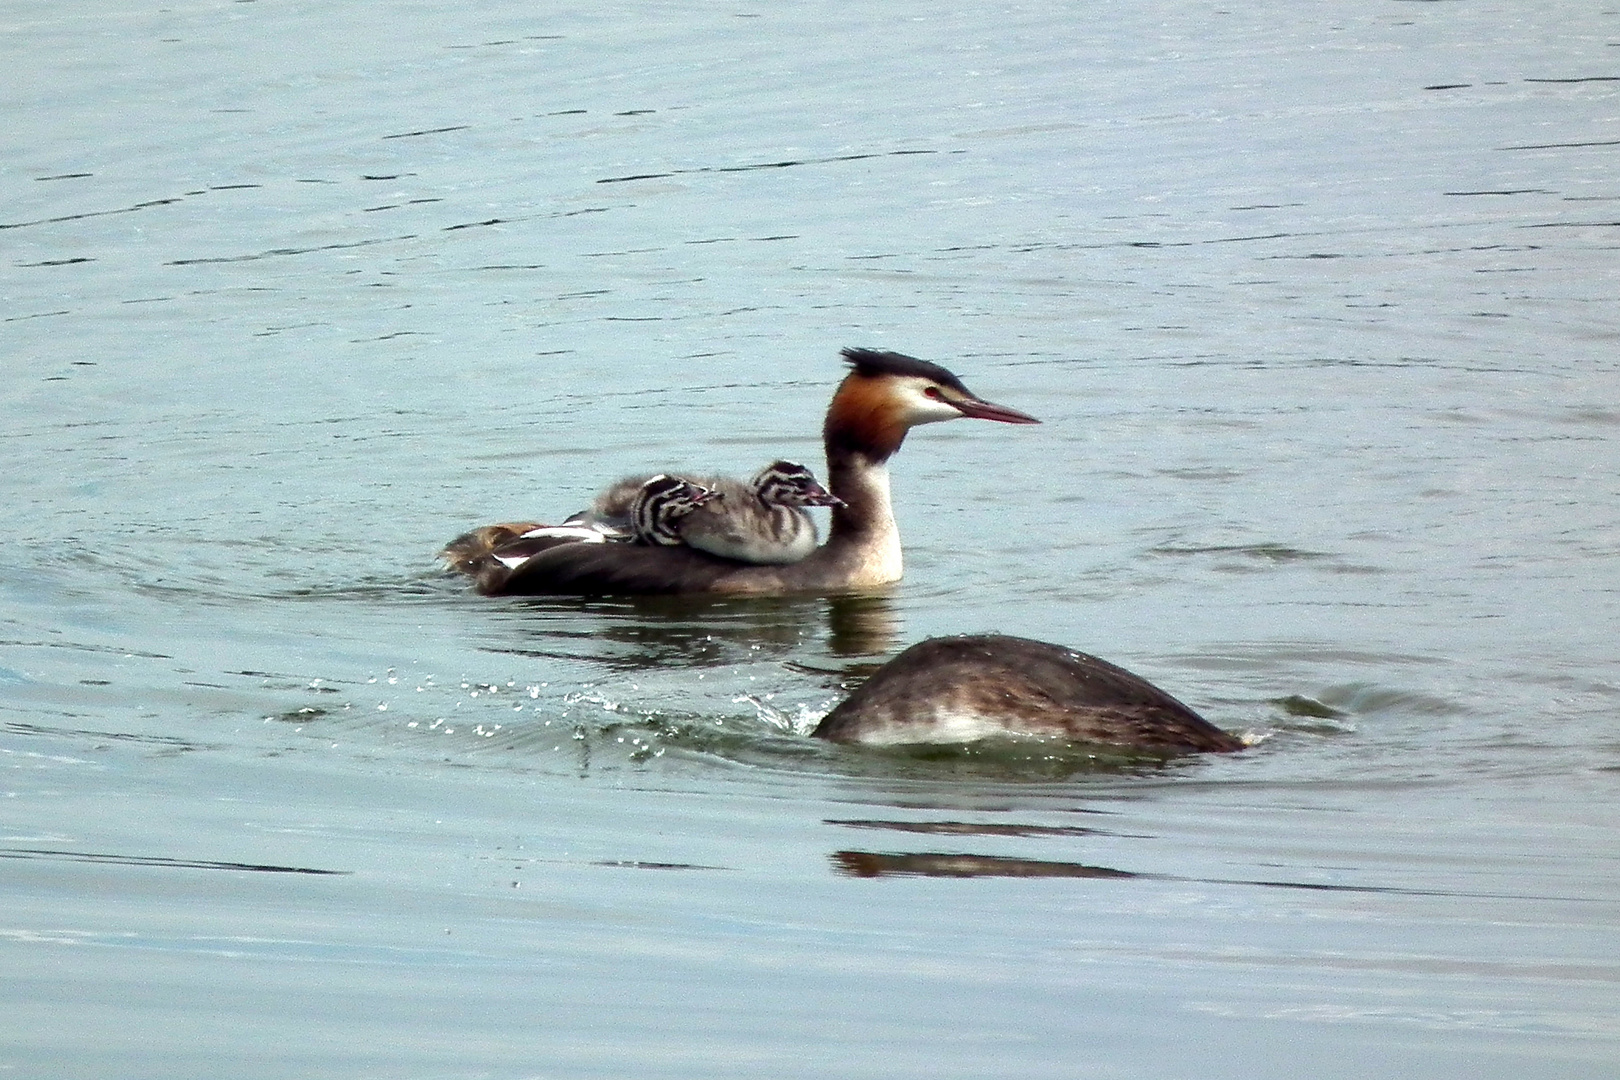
x: 978, y: 686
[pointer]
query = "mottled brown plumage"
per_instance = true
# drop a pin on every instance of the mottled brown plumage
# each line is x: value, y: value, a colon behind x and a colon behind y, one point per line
x: 469, y: 551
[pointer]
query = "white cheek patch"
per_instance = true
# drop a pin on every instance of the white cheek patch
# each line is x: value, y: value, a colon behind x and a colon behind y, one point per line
x: 922, y: 409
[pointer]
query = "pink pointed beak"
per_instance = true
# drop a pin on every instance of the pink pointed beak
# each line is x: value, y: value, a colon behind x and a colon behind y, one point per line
x: 979, y: 409
x: 820, y: 496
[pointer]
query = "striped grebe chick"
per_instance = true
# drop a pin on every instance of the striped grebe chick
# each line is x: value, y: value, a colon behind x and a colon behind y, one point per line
x: 979, y: 686
x: 763, y: 521
x: 661, y: 506
x: 884, y: 396
x: 759, y: 521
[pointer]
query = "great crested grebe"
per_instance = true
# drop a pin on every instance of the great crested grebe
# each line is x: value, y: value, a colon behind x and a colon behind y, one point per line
x: 760, y: 521
x: 884, y: 396
x: 979, y: 686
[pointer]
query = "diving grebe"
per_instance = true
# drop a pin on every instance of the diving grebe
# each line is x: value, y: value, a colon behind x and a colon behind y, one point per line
x: 884, y: 396
x: 760, y: 521
x: 977, y: 686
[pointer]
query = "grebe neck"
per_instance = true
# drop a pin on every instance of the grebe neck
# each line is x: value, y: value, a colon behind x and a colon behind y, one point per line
x: 864, y: 537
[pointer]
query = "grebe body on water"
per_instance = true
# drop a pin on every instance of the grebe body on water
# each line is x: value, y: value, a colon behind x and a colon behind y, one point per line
x: 759, y: 521
x: 978, y: 686
x: 883, y: 397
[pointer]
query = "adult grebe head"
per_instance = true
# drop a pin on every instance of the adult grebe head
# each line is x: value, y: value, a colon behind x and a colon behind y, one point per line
x: 887, y: 394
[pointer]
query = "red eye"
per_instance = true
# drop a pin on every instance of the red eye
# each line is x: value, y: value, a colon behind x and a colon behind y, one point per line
x: 933, y: 392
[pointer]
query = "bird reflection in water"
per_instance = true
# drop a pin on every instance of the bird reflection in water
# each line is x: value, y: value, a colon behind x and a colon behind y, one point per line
x: 870, y: 864
x: 700, y: 631
x: 968, y: 828
x: 957, y: 865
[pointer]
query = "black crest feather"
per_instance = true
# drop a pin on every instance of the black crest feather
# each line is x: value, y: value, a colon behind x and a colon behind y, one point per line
x: 878, y: 362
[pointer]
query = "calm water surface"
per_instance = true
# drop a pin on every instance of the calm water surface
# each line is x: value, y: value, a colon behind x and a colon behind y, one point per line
x: 1318, y: 307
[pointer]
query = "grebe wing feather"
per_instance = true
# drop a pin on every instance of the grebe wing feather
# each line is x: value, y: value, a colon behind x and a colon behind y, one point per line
x: 615, y: 569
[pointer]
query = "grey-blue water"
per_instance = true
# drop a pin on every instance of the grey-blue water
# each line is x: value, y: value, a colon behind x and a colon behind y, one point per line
x: 1318, y: 304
